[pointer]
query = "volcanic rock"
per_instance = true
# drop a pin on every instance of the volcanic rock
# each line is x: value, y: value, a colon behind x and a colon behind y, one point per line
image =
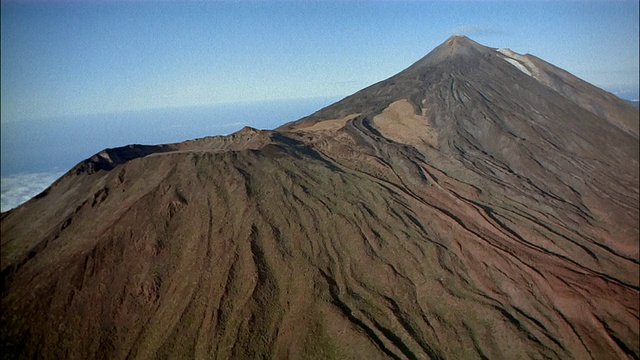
x: 479, y: 204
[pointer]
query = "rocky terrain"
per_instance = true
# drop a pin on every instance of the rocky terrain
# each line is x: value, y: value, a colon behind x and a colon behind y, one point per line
x: 479, y: 204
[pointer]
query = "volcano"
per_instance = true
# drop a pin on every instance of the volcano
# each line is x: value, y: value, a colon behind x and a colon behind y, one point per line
x: 479, y: 204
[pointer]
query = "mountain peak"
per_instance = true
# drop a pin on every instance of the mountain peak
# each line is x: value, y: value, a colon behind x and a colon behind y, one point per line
x: 460, y: 44
x: 458, y: 39
x: 466, y: 60
x: 463, y: 208
x: 456, y: 46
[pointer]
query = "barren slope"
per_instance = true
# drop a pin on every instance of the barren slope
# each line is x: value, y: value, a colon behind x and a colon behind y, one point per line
x: 463, y: 208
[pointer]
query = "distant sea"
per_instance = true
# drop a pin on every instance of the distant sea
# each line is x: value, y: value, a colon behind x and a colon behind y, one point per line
x: 34, y: 153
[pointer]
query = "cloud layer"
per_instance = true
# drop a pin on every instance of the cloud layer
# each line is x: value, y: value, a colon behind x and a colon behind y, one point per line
x: 19, y: 188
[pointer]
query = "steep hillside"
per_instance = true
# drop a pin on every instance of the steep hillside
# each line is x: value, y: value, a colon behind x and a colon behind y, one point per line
x: 479, y: 204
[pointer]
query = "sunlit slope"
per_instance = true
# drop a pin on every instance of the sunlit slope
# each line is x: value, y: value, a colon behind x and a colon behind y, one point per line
x: 463, y: 208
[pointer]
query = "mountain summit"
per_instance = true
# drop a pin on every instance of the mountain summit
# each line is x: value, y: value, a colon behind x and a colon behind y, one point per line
x: 479, y: 204
x: 457, y: 46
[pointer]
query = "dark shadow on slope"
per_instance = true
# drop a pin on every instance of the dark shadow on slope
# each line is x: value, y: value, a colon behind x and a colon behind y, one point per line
x: 302, y: 148
x: 109, y: 158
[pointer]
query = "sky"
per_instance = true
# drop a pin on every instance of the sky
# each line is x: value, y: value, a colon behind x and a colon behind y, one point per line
x: 77, y: 58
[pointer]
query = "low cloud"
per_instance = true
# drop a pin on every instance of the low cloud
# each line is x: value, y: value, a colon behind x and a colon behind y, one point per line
x: 19, y: 188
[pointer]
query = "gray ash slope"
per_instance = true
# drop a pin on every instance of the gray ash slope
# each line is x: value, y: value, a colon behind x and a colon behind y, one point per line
x: 479, y: 204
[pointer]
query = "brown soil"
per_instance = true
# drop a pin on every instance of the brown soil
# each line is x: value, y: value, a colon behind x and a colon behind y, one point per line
x: 460, y: 209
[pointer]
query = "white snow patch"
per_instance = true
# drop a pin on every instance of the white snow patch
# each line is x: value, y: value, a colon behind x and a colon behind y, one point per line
x: 518, y: 65
x: 507, y: 52
x: 520, y: 62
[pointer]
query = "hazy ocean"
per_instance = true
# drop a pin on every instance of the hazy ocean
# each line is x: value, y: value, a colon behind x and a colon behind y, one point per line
x: 34, y: 153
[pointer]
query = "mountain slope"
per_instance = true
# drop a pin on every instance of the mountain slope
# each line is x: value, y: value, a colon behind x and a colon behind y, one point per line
x: 479, y: 204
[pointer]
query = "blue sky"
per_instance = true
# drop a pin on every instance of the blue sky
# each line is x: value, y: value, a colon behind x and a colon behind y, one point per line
x: 75, y: 58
